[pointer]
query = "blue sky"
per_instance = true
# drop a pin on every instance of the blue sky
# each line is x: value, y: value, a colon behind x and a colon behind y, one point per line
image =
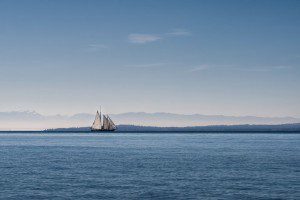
x: 208, y: 57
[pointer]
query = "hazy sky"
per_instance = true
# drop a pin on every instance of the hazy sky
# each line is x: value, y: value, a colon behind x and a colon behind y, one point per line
x: 208, y: 57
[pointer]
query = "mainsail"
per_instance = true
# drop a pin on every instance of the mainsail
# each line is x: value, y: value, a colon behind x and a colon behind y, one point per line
x: 103, y: 125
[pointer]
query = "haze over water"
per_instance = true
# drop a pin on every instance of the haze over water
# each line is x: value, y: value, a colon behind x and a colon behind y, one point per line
x: 149, y: 166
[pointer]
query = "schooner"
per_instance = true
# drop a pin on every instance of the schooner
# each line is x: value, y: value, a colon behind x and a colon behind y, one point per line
x: 105, y: 124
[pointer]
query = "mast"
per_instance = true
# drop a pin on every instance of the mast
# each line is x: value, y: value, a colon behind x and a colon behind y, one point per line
x: 100, y: 119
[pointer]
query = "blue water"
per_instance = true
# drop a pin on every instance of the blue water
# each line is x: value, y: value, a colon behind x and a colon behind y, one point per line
x: 149, y: 166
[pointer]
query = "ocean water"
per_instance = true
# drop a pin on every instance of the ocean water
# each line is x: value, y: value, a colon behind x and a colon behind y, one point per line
x: 149, y: 166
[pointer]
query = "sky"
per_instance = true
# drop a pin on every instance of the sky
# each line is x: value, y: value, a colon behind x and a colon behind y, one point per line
x: 208, y: 57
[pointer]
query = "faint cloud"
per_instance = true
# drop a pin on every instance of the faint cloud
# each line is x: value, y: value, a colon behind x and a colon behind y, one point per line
x: 239, y: 68
x: 151, y: 65
x: 283, y: 67
x: 200, y: 68
x: 250, y: 69
x: 263, y: 68
x: 96, y: 47
x: 143, y: 38
x: 147, y: 38
x: 179, y: 32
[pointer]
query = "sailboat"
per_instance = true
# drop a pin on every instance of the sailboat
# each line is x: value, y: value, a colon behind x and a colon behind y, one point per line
x: 105, y: 124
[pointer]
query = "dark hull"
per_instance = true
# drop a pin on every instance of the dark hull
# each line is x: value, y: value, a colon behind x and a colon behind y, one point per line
x: 102, y: 130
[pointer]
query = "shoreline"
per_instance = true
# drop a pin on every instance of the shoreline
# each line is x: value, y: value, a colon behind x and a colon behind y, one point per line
x: 162, y: 132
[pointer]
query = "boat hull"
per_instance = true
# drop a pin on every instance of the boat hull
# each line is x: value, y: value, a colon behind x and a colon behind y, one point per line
x: 102, y: 130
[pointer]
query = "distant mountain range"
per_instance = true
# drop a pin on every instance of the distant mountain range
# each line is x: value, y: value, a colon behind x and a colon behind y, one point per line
x: 30, y: 120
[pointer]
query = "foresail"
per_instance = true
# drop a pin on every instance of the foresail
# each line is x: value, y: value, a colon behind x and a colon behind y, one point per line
x: 97, y: 123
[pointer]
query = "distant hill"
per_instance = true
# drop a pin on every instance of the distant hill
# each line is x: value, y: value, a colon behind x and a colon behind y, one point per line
x: 182, y: 120
x: 216, y: 128
x: 27, y: 120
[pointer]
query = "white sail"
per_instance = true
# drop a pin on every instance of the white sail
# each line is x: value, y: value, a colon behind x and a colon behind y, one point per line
x: 97, y: 123
x: 111, y: 125
x: 105, y: 123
